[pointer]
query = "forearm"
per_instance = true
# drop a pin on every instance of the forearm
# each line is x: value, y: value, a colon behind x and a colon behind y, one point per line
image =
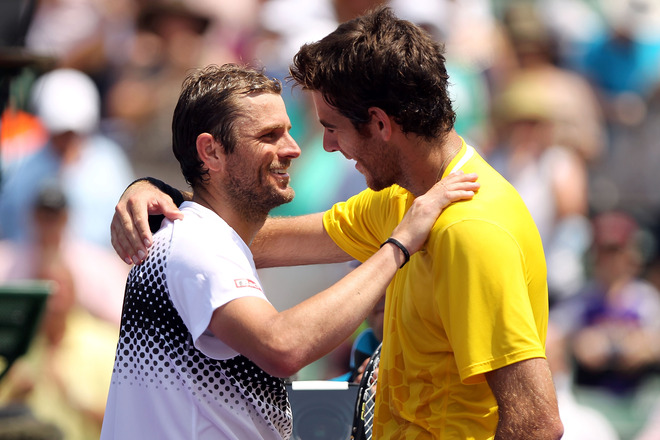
x: 175, y: 194
x: 292, y: 241
x: 289, y: 340
x: 527, y: 403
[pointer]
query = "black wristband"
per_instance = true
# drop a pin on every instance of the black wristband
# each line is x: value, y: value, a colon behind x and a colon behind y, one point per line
x: 177, y: 197
x: 397, y: 243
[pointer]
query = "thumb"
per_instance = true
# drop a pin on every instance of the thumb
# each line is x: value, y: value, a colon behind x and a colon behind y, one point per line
x: 166, y: 207
x: 172, y: 212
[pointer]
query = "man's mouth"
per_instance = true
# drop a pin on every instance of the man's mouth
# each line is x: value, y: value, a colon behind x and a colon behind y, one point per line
x: 280, y: 173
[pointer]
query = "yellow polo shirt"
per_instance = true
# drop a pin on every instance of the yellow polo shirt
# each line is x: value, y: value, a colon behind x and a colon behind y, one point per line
x: 473, y: 300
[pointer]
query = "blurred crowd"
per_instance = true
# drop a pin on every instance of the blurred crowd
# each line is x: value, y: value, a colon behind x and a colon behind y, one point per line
x: 561, y: 96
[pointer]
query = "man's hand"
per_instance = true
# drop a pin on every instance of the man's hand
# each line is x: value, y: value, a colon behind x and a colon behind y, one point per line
x: 360, y: 371
x: 131, y: 236
x: 420, y: 218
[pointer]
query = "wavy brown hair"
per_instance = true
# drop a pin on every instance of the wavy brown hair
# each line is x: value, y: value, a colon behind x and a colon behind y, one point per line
x: 379, y: 60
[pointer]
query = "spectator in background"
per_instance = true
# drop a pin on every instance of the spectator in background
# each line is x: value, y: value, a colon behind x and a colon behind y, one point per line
x: 580, y: 422
x: 613, y: 321
x: 571, y: 101
x: 548, y: 130
x: 550, y: 177
x: 64, y: 377
x: 91, y: 168
x: 94, y: 269
x: 621, y: 62
x: 288, y: 24
x: 21, y: 134
x: 171, y: 37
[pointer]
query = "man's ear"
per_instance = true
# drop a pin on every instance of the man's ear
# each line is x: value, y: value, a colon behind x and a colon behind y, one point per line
x: 380, y: 123
x: 210, y: 152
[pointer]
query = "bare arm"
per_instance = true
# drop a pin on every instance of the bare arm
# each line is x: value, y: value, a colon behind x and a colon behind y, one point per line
x: 527, y: 401
x: 291, y: 241
x: 282, y: 343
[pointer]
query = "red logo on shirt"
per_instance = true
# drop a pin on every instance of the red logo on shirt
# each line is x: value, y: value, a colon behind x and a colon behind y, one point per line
x: 247, y: 283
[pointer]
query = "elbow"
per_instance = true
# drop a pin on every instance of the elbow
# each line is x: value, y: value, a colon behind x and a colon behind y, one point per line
x: 282, y: 367
x: 557, y: 430
x: 282, y: 359
x: 552, y: 428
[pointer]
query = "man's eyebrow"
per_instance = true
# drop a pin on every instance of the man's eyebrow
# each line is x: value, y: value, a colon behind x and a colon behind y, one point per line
x: 275, y: 126
x: 326, y: 124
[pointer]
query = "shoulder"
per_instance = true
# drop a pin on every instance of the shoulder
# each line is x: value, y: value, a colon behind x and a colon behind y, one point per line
x: 381, y: 198
x: 372, y: 207
x: 202, y: 235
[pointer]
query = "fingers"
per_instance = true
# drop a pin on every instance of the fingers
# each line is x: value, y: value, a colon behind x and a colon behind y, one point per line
x: 459, y: 178
x: 119, y: 239
x: 127, y: 237
x: 169, y: 209
x: 130, y: 225
x: 457, y: 186
x: 138, y: 224
x: 131, y: 236
x: 137, y: 232
x: 360, y: 370
x: 418, y: 221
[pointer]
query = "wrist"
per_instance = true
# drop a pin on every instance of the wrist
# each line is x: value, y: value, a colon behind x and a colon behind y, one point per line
x: 176, y: 195
x: 404, y: 251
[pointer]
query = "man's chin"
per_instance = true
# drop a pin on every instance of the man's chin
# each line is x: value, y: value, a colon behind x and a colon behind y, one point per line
x: 288, y: 195
x: 283, y: 197
x: 376, y: 186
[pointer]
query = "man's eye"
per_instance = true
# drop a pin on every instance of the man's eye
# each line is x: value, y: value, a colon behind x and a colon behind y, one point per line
x: 273, y: 135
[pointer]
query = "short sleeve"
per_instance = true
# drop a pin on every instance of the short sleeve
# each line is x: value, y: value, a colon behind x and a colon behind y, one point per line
x: 488, y: 317
x: 203, y: 275
x: 360, y: 224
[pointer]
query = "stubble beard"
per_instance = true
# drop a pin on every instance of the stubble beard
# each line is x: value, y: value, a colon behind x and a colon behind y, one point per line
x: 253, y: 200
x: 382, y: 170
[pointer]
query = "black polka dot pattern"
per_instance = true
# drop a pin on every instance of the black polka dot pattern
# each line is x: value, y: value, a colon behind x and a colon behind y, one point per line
x: 155, y: 349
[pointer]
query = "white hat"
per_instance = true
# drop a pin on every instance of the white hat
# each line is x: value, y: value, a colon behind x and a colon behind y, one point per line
x: 67, y: 100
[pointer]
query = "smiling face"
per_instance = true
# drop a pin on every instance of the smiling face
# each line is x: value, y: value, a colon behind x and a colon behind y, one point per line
x: 375, y: 159
x: 256, y: 175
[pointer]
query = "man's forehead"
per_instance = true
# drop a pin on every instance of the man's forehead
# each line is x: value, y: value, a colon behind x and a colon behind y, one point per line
x: 259, y: 102
x: 262, y: 109
x: 327, y: 114
x: 257, y: 99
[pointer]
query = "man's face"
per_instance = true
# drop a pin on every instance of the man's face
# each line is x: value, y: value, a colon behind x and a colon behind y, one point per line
x: 257, y: 178
x: 374, y: 158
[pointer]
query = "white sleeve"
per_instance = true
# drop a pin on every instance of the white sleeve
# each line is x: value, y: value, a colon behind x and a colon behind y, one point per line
x: 204, y: 274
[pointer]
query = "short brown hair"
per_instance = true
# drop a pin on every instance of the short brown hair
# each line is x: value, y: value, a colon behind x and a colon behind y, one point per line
x: 379, y: 60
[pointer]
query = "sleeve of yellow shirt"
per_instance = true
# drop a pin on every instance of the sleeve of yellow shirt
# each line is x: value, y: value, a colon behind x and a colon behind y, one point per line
x: 364, y: 221
x: 484, y: 299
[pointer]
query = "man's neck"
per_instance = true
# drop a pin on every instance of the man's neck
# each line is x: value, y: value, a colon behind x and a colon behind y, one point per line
x: 245, y: 228
x: 426, y: 162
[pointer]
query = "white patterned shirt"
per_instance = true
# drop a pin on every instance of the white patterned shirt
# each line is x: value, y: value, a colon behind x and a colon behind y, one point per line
x: 172, y: 378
